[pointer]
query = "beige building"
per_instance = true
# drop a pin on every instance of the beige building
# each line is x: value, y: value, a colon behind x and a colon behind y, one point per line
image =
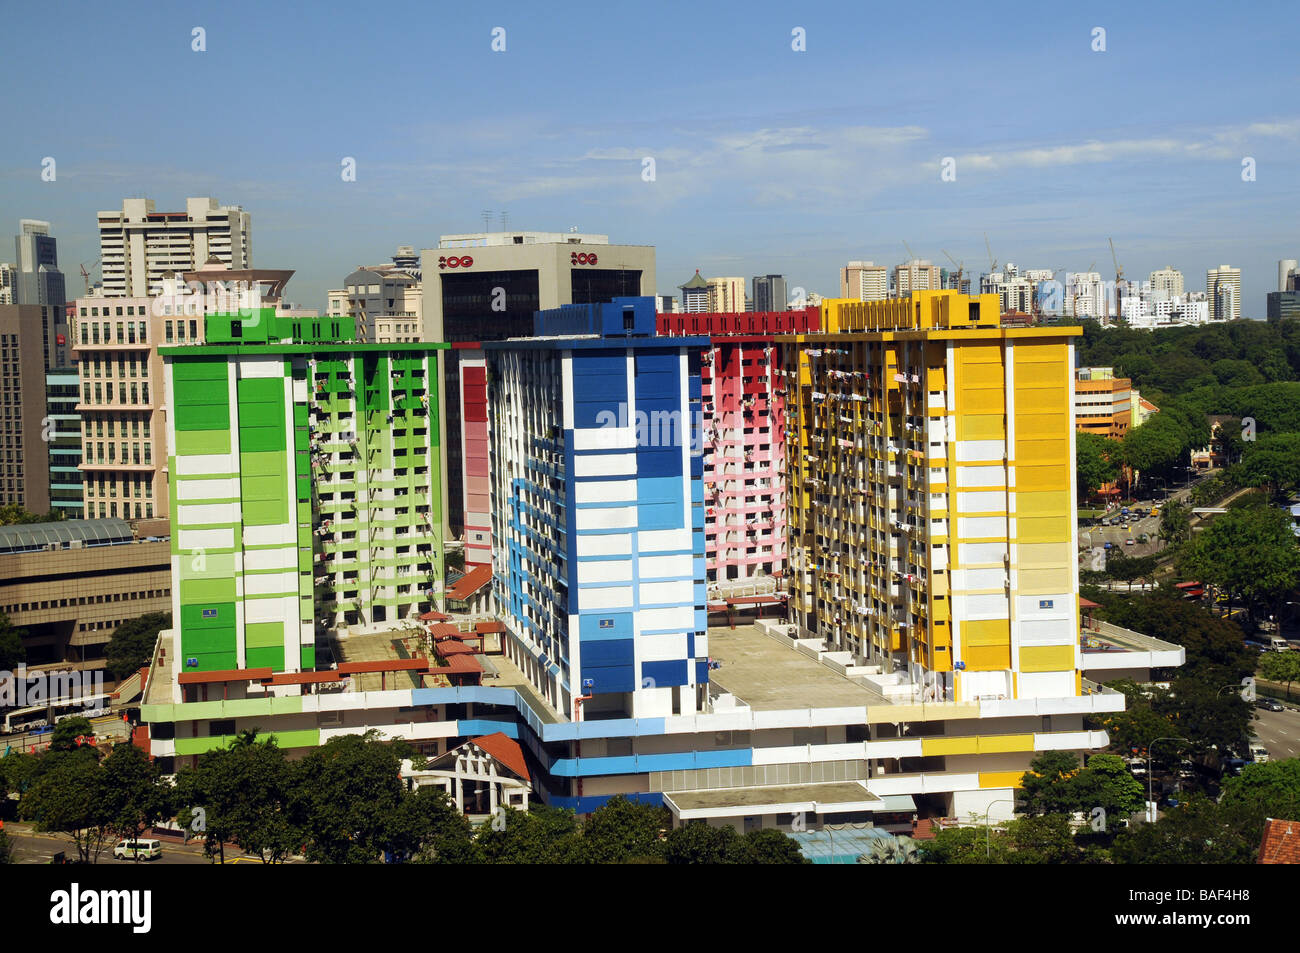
x: 387, y: 305
x: 726, y: 295
x: 915, y: 275
x: 1167, y: 279
x: 864, y: 281
x: 1223, y: 293
x: 70, y: 584
x: 123, y: 415
x: 141, y: 247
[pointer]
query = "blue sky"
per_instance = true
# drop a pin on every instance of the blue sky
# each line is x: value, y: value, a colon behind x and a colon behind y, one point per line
x: 767, y: 159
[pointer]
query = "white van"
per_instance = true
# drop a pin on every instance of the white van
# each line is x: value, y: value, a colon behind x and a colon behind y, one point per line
x: 133, y: 849
x: 1258, y: 753
x: 1279, y: 645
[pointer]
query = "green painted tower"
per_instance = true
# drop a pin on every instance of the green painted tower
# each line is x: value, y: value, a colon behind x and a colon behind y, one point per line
x: 305, y: 488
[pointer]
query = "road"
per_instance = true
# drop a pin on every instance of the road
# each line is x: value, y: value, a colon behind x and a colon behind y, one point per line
x: 31, y: 847
x: 1280, y: 732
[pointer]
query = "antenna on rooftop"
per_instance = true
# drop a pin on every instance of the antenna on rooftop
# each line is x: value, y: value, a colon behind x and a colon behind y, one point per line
x: 487, y: 219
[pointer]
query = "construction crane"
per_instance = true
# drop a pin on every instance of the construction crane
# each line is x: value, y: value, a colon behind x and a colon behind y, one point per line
x: 961, y: 267
x: 993, y: 262
x: 910, y: 257
x: 85, y: 275
x: 1119, y: 276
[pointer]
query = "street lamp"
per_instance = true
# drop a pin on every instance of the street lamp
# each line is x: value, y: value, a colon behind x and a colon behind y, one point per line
x: 1150, y: 776
x: 988, y: 848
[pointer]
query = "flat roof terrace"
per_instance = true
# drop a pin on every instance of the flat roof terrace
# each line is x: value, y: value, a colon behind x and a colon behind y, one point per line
x: 769, y: 676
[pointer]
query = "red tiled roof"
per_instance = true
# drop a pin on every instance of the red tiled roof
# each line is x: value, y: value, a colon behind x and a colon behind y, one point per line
x: 470, y: 583
x: 459, y: 665
x: 434, y: 616
x: 443, y: 630
x: 451, y: 647
x: 483, y: 628
x: 1088, y: 604
x: 1281, y: 843
x: 504, y: 749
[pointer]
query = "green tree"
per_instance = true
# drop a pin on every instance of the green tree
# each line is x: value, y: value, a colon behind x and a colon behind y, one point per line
x: 1129, y: 568
x: 1094, y: 459
x: 346, y: 793
x: 542, y: 835
x: 892, y: 850
x: 1042, y: 839
x: 620, y: 831
x: 132, y: 643
x: 966, y: 845
x: 1196, y: 832
x: 1250, y: 553
x: 70, y: 798
x: 1280, y: 667
x: 428, y: 829
x: 770, y: 846
x: 1271, y: 789
x: 1272, y: 461
x: 1175, y: 522
x: 1107, y: 783
x: 703, y: 844
x: 1051, y: 784
x: 135, y: 796
x: 12, y: 651
x: 67, y: 731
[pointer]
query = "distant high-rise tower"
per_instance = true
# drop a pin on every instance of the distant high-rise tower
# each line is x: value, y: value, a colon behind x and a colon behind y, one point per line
x: 140, y: 248
x: 864, y: 281
x: 1223, y: 291
x: 1286, y: 270
x: 1167, y: 279
x: 770, y: 293
x: 39, y: 279
x: 727, y: 295
x: 915, y: 275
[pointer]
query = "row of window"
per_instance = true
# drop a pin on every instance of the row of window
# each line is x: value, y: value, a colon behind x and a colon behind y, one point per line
x: 97, y: 368
x: 112, y: 422
x: 87, y: 601
x: 104, y: 393
x: 142, y: 512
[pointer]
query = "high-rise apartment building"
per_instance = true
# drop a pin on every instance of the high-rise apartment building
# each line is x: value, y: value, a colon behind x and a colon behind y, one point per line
x: 141, y: 248
x: 8, y: 283
x: 864, y: 281
x: 915, y: 275
x: 597, y: 511
x: 1168, y: 280
x: 386, y: 305
x: 1223, y: 292
x: 39, y: 280
x: 305, y: 488
x: 485, y: 286
x: 727, y: 295
x: 770, y: 294
x: 1286, y: 274
x: 744, y: 428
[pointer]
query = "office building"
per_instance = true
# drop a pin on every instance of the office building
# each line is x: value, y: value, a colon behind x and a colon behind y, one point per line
x: 915, y: 275
x: 485, y: 286
x: 597, y: 511
x: 1167, y: 280
x: 727, y: 295
x: 864, y: 281
x: 68, y: 585
x: 62, y: 395
x: 140, y: 247
x: 386, y: 305
x: 744, y: 429
x: 31, y: 344
x: 1283, y: 304
x: 1223, y: 292
x: 770, y: 294
x: 1286, y: 275
x: 1103, y: 403
x: 39, y: 280
x: 666, y: 304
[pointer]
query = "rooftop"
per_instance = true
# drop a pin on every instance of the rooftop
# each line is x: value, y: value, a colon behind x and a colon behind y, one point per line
x: 25, y: 537
x: 769, y: 676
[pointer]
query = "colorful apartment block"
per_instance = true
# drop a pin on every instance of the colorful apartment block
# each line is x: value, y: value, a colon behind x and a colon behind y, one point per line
x: 744, y: 437
x: 304, y: 486
x: 597, y: 511
x: 932, y: 495
x: 1103, y: 403
x: 475, y: 455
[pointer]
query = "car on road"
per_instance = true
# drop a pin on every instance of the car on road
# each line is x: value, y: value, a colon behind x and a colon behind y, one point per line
x: 137, y: 849
x: 1258, y: 753
x: 1276, y: 644
x: 1269, y: 704
x: 1129, y: 541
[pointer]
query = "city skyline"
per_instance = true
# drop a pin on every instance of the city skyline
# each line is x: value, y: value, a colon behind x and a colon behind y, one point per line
x: 812, y: 179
